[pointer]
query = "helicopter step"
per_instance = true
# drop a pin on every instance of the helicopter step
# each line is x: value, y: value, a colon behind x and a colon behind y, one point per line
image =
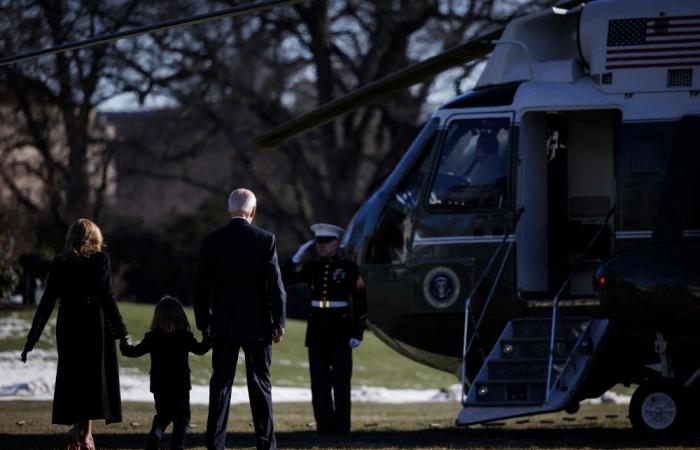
x: 520, y: 369
x: 566, y: 328
x: 513, y: 380
x: 522, y: 348
x: 544, y: 299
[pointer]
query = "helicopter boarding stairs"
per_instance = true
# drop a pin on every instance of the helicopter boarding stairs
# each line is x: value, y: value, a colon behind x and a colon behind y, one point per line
x: 517, y: 379
x: 537, y: 365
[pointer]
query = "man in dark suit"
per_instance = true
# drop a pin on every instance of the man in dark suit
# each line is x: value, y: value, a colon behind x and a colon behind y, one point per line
x: 240, y: 302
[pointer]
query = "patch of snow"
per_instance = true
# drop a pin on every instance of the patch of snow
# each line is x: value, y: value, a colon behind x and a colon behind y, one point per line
x: 385, y: 395
x: 610, y: 397
x: 12, y: 326
x: 14, y: 299
x: 289, y: 363
x: 35, y: 381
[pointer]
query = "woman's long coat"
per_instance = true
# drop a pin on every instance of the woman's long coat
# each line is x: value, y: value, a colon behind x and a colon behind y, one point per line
x: 87, y: 377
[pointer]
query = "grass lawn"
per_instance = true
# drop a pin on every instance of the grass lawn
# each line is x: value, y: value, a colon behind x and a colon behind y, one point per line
x: 26, y: 425
x: 374, y: 363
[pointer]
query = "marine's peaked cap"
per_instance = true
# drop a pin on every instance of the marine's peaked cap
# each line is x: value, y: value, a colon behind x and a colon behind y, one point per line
x: 326, y: 230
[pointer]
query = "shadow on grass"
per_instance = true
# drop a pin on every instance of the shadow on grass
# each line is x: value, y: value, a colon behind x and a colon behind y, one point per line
x: 448, y: 437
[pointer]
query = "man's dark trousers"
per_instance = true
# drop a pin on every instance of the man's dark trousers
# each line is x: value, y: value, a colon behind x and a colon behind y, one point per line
x: 331, y: 370
x: 257, y: 363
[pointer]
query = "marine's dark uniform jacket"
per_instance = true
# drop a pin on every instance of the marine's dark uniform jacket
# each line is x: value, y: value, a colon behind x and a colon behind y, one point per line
x: 333, y: 279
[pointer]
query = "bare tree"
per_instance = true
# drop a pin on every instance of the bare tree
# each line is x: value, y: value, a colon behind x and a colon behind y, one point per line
x: 224, y: 82
x: 245, y: 75
x: 53, y: 157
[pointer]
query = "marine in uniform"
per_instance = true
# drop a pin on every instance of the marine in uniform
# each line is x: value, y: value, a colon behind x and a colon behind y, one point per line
x: 335, y: 323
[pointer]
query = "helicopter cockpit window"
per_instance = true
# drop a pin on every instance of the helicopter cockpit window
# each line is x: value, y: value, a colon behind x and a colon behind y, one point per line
x: 473, y: 167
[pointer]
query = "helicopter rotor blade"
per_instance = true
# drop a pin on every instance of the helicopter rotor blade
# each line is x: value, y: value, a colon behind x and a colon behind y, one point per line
x: 189, y: 20
x: 469, y: 51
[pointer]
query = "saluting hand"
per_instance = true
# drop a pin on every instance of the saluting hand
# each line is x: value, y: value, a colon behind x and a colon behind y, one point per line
x: 303, y: 252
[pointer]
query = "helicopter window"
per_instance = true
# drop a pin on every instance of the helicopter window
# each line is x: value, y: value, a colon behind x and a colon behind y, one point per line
x: 644, y: 154
x: 473, y: 167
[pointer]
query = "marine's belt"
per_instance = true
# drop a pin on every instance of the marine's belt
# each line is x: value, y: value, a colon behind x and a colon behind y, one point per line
x: 330, y: 303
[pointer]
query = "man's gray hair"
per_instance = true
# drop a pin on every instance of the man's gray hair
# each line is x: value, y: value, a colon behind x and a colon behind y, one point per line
x: 241, y: 200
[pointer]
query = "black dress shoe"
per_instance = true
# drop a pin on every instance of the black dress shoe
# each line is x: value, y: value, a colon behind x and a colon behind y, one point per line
x: 325, y: 432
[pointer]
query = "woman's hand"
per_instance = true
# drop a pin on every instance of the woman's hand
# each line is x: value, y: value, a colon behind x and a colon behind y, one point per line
x: 23, y: 356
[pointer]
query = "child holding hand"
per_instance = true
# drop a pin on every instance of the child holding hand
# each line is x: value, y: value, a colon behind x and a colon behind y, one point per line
x: 169, y: 342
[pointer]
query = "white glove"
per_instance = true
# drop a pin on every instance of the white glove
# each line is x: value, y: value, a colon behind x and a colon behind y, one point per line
x: 354, y: 343
x: 296, y: 259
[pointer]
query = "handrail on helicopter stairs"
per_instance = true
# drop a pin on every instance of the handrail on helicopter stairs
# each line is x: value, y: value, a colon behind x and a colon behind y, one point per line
x: 555, y: 305
x: 466, y: 343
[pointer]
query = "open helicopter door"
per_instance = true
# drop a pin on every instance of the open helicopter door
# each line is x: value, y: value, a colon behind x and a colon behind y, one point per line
x: 566, y: 183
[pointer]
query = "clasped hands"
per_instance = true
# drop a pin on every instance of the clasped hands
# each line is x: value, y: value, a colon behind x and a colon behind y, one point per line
x: 125, y: 341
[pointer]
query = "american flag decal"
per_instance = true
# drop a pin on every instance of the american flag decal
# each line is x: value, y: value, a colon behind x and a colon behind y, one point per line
x: 653, y: 42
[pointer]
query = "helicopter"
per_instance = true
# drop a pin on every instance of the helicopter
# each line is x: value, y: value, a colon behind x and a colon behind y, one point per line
x: 539, y: 238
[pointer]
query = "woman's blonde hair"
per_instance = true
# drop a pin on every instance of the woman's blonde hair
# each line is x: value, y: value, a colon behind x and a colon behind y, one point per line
x: 169, y: 316
x: 83, y: 238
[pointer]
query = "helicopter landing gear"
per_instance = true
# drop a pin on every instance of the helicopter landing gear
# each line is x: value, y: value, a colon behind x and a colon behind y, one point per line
x: 659, y: 406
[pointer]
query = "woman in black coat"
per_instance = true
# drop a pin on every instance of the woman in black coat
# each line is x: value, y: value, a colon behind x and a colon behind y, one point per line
x: 87, y: 376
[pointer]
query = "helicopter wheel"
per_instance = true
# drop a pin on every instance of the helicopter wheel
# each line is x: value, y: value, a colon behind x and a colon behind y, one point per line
x: 659, y: 407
